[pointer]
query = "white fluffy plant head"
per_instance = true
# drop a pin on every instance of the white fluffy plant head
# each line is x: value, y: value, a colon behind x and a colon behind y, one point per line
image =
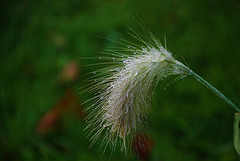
x: 123, y: 90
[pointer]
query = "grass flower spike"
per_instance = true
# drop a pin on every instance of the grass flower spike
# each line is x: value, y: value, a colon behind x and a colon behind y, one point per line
x: 123, y: 91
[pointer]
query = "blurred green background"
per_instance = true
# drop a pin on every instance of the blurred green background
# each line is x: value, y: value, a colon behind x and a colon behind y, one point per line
x: 41, y: 115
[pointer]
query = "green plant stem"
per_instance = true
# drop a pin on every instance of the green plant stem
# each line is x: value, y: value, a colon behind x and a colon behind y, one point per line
x: 204, y: 82
x: 236, y: 133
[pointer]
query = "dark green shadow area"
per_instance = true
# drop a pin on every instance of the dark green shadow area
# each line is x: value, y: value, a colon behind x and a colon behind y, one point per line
x: 42, y: 74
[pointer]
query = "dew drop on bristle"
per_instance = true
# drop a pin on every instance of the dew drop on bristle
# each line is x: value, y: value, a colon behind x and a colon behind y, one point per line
x: 122, y: 149
x: 183, y: 76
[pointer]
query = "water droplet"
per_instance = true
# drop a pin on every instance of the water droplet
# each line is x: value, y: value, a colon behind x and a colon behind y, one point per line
x: 135, y: 74
x: 183, y: 76
x: 126, y: 111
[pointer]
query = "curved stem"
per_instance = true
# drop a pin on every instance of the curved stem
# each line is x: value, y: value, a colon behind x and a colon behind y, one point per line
x: 204, y: 82
x: 236, y: 131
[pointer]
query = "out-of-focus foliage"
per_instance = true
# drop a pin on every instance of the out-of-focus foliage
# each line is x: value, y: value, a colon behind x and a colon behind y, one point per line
x: 41, y: 115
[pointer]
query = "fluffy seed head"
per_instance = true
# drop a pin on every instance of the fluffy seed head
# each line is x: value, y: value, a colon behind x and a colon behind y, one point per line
x: 123, y: 91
